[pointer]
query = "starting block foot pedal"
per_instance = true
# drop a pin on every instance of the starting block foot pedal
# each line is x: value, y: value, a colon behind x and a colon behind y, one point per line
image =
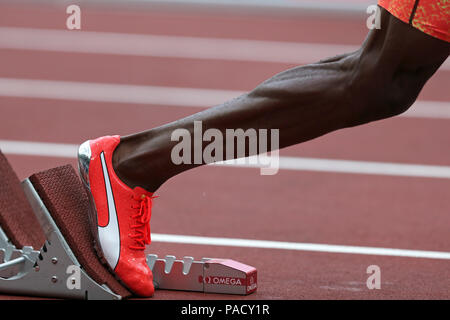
x: 54, y: 270
x: 58, y: 198
x: 17, y: 219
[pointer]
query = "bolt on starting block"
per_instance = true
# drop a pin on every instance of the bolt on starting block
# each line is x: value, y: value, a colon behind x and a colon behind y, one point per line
x: 58, y: 269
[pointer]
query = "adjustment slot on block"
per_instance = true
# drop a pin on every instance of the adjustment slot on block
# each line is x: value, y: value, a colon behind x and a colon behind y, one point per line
x: 208, y: 275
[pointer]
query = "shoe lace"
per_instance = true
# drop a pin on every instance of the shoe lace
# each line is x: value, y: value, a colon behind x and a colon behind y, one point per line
x: 141, y: 221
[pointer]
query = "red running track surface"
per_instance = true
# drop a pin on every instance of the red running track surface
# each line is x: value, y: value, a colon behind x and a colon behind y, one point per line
x: 292, y: 206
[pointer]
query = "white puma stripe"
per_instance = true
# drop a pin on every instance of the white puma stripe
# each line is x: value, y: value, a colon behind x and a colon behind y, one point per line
x: 109, y: 235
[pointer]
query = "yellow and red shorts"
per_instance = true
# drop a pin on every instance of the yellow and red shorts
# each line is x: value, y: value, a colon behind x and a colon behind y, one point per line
x: 429, y: 16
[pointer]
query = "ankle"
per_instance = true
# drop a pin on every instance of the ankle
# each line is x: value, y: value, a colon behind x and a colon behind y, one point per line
x: 132, y: 169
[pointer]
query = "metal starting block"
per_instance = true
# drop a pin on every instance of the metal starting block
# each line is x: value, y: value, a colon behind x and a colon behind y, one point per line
x: 54, y: 270
x: 208, y: 275
x: 50, y: 272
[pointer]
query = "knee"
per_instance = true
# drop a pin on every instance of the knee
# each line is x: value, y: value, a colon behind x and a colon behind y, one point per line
x: 402, y: 91
x: 392, y: 102
x: 384, y: 93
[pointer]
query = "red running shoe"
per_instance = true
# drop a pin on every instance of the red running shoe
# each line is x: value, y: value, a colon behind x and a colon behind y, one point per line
x: 119, y: 217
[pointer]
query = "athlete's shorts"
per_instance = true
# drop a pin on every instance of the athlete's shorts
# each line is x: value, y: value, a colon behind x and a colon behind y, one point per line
x: 429, y: 16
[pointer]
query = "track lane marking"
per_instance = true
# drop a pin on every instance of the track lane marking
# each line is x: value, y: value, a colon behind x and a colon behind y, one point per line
x: 166, y: 46
x: 114, y: 93
x: 298, y: 246
x: 28, y: 148
x: 93, y: 42
x: 69, y: 151
x: 159, y: 95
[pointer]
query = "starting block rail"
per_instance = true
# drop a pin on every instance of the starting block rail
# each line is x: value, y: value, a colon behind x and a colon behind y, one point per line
x: 55, y: 271
x: 208, y: 275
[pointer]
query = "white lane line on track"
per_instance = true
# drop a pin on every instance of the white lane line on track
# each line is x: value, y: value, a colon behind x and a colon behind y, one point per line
x: 312, y: 247
x: 40, y: 149
x: 166, y: 46
x: 342, y: 6
x: 29, y: 148
x: 158, y: 95
x: 170, y: 46
x: 114, y: 93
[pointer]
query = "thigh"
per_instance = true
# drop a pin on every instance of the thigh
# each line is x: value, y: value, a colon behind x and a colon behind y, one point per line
x: 400, y: 45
